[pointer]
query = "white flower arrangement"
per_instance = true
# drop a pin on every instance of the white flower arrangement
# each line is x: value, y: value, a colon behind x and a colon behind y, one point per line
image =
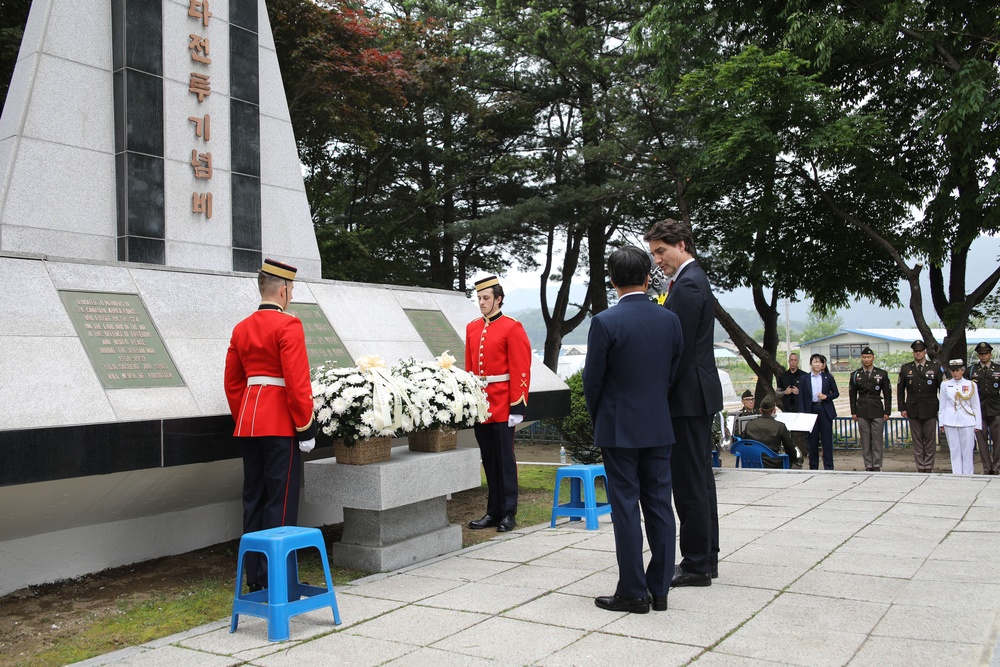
x: 362, y: 401
x: 442, y: 394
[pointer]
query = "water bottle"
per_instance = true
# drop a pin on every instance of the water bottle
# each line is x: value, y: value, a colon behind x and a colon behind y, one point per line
x: 562, y: 454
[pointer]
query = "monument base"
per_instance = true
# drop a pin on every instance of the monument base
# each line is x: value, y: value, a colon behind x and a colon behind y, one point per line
x: 391, y: 557
x: 395, y: 512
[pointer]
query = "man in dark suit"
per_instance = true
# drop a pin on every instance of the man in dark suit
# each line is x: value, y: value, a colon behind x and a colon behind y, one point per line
x: 695, y: 398
x: 817, y: 392
x: 633, y: 350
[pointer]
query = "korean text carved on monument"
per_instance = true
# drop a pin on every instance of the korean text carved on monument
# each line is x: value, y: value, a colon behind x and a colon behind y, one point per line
x: 323, y: 345
x: 200, y: 84
x: 437, y: 333
x: 120, y: 340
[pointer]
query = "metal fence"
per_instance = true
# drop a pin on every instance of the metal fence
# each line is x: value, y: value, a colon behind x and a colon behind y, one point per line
x: 896, y: 432
x: 845, y: 433
x: 540, y: 433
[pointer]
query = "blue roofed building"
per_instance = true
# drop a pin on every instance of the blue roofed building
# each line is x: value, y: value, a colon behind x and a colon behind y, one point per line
x: 843, y: 349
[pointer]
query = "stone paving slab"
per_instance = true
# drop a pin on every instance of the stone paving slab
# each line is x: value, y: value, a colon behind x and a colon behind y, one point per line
x: 817, y: 568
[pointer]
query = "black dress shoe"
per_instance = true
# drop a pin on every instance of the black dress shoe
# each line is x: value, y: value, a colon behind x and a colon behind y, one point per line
x: 682, y: 578
x: 507, y: 524
x: 659, y: 602
x: 631, y: 605
x: 486, y: 522
x: 253, y: 588
x: 715, y: 572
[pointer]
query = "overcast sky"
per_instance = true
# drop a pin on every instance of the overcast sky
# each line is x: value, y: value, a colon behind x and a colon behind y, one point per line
x: 522, y: 292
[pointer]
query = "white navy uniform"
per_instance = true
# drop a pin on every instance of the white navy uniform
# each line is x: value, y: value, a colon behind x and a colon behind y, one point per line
x: 960, y: 415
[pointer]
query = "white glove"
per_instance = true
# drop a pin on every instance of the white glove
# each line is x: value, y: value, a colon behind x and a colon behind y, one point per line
x: 514, y: 420
x: 307, y: 445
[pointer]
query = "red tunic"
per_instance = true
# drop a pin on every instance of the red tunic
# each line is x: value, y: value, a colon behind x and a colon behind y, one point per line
x: 269, y: 343
x: 499, y: 346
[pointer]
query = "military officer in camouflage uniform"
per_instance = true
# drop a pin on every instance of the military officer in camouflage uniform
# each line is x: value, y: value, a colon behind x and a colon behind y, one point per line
x: 917, y: 400
x: 986, y: 375
x: 871, y: 404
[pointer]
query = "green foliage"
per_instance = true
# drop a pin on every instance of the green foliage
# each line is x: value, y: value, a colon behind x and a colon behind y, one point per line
x: 576, y: 427
x: 893, y: 360
x: 13, y: 16
x: 821, y: 325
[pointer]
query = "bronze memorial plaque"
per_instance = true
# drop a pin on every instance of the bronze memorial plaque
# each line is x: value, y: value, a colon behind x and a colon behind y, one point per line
x: 437, y: 333
x: 322, y: 343
x: 121, y: 341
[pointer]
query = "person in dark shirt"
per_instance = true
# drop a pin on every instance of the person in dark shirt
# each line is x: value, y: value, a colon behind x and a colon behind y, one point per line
x: 788, y: 397
x: 788, y: 382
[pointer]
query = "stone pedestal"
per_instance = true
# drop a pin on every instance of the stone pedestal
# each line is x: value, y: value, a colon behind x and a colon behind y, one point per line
x: 395, y: 512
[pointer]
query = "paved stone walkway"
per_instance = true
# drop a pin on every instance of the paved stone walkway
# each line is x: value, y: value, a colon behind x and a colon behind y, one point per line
x: 834, y: 568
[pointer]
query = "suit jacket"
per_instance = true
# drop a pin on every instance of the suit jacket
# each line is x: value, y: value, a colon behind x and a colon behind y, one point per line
x: 633, y: 351
x: 499, y: 346
x: 829, y: 388
x: 270, y: 343
x: 697, y: 390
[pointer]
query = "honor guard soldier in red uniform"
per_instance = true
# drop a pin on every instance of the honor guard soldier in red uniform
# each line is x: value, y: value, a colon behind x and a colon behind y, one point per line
x: 270, y: 397
x: 986, y: 374
x: 497, y: 351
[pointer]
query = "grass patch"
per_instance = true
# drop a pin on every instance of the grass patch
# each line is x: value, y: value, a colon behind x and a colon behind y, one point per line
x: 536, y: 485
x: 141, y: 618
x: 137, y: 621
x: 141, y: 603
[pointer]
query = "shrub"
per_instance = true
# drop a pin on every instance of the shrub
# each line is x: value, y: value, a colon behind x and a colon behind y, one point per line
x: 576, y: 427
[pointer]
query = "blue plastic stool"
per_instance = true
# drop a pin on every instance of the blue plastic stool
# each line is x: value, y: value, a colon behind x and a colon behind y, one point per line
x: 285, y: 596
x: 589, y: 509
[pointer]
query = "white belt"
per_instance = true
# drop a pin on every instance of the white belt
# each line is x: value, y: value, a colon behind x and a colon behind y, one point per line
x: 265, y: 379
x: 490, y: 379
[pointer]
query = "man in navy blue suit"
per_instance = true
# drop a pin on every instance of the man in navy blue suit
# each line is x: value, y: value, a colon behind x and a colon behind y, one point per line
x: 695, y: 399
x: 633, y: 350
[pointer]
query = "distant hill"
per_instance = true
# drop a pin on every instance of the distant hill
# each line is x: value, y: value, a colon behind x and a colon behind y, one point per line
x: 534, y: 325
x: 859, y: 315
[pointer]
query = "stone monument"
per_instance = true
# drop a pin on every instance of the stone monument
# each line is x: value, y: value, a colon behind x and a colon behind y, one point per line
x: 148, y: 165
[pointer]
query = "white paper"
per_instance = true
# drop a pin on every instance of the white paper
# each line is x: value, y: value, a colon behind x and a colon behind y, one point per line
x: 797, y: 421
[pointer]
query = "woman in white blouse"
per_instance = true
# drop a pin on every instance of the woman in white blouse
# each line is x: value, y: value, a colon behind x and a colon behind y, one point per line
x: 960, y: 416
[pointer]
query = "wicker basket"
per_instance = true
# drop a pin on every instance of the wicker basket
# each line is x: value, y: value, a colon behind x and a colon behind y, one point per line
x: 368, y: 450
x: 433, y: 440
